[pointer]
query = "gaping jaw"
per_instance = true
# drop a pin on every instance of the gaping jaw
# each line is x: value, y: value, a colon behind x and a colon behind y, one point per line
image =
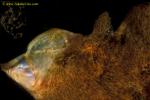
x: 21, y: 71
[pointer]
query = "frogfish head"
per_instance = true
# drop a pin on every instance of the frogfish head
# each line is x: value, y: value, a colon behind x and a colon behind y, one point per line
x: 34, y: 68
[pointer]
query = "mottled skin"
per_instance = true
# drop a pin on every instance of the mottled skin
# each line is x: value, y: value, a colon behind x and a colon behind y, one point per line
x: 105, y: 65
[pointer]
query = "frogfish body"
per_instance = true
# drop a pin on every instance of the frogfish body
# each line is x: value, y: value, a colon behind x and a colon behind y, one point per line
x: 106, y: 65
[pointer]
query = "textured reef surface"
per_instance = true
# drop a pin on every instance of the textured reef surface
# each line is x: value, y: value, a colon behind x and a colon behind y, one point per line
x: 105, y: 65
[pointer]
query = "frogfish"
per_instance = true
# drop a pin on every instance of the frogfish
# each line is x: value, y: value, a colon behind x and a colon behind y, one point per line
x: 104, y: 65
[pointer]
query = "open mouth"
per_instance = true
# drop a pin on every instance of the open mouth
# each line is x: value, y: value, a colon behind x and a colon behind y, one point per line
x: 20, y: 70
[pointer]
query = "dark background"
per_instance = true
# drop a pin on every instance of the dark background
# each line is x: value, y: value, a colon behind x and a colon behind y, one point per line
x: 71, y: 15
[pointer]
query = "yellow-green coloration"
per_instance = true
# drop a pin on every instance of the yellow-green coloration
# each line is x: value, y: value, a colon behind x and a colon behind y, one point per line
x: 106, y: 65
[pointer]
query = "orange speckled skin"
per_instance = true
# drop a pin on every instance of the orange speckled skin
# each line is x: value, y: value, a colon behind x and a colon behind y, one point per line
x: 105, y: 65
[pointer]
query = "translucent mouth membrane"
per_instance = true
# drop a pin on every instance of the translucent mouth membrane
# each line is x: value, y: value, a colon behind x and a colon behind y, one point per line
x: 24, y: 69
x: 20, y: 70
